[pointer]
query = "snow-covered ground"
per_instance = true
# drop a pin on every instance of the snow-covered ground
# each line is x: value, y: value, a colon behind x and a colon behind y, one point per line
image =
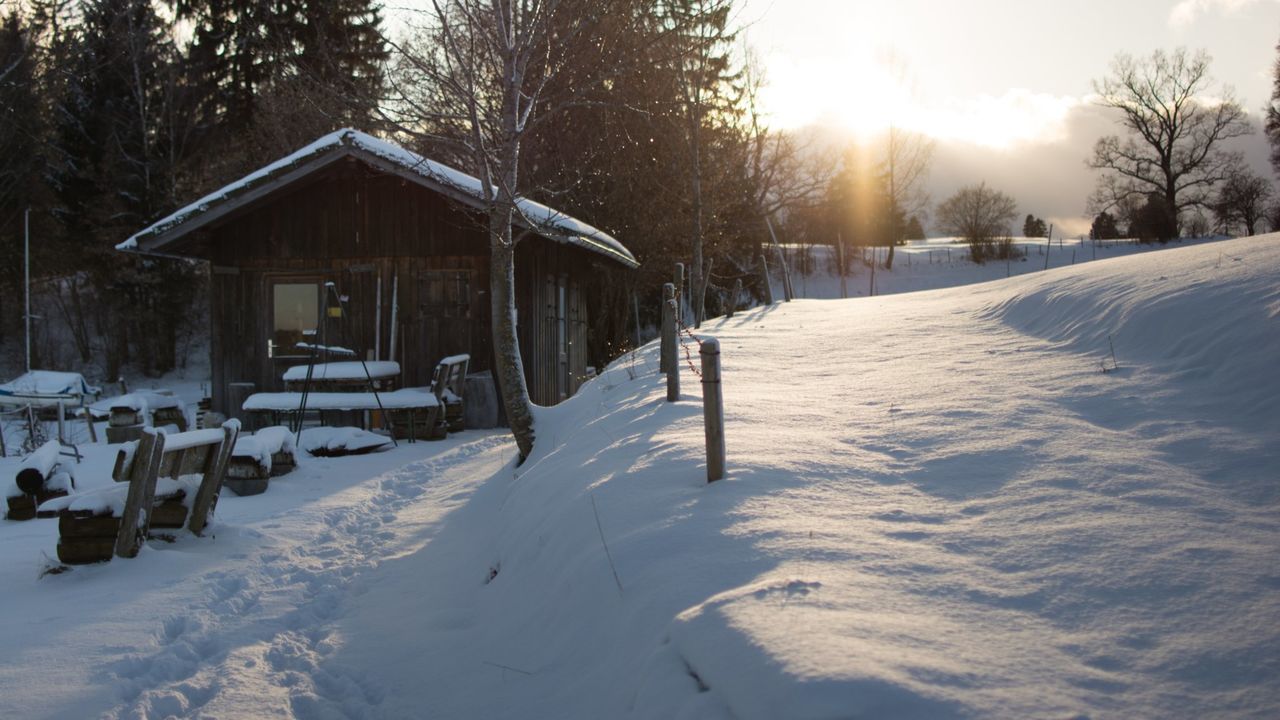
x: 941, y: 263
x: 938, y: 505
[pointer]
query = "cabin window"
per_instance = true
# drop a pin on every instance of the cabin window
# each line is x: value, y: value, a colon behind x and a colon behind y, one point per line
x: 445, y: 294
x: 296, y: 315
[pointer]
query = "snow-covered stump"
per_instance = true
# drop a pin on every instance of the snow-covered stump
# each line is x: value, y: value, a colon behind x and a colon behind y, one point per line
x: 670, y: 340
x: 712, y: 408
x: 258, y: 458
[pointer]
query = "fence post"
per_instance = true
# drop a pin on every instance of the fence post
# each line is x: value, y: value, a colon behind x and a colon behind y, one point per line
x: 712, y: 408
x: 678, y: 281
x: 62, y: 422
x: 844, y: 287
x: 733, y: 299
x: 764, y: 280
x: 671, y: 344
x: 668, y: 290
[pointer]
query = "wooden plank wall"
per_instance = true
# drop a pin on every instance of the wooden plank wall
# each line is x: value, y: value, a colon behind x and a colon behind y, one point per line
x: 351, y: 226
x: 555, y: 366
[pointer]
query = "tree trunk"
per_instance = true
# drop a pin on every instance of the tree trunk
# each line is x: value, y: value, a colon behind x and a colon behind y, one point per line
x: 696, y: 280
x: 509, y: 367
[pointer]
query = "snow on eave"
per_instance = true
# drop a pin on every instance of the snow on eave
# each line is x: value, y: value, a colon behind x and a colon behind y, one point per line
x: 546, y: 221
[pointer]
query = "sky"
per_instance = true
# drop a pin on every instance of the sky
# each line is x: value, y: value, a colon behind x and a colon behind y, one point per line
x: 1004, y: 85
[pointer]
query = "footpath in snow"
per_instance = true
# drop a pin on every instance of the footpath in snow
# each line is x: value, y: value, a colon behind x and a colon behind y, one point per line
x: 938, y: 505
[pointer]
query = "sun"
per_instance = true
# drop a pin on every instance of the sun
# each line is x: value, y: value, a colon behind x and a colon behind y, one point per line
x: 864, y: 92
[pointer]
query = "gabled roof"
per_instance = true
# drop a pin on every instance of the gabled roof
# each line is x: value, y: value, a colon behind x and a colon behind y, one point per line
x: 389, y: 157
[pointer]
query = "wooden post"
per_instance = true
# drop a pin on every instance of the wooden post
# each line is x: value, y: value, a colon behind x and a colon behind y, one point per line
x: 670, y: 342
x: 62, y: 422
x: 635, y: 304
x: 88, y: 420
x: 733, y: 299
x: 844, y: 287
x: 678, y: 281
x: 700, y: 312
x: 873, y: 273
x: 764, y: 280
x: 135, y: 520
x: 712, y: 408
x: 1048, y: 245
x: 787, y: 290
x: 215, y: 470
x: 664, y: 333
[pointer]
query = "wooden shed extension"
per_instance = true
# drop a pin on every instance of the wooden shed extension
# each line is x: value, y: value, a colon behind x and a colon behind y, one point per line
x: 379, y: 221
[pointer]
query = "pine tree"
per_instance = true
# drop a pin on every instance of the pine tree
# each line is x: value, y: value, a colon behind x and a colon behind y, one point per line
x: 21, y: 135
x: 1273, y: 116
x: 110, y: 176
x: 1104, y: 227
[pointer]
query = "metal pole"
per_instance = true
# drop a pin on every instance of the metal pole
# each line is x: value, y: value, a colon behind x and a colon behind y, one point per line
x: 26, y: 263
x: 712, y: 408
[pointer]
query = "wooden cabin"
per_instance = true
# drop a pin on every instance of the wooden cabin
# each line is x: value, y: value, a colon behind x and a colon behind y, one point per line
x: 399, y: 236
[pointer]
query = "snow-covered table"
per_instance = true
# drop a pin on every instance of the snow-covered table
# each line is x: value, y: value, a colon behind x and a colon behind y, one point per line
x: 414, y: 407
x: 349, y: 370
x: 45, y: 388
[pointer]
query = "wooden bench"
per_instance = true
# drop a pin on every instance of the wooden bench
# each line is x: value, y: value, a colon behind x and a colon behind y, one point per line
x: 172, y: 481
x: 449, y: 385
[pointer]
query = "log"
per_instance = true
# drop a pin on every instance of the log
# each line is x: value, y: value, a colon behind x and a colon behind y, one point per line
x: 169, y: 513
x: 83, y: 551
x: 36, y: 469
x: 102, y: 527
x: 21, y: 507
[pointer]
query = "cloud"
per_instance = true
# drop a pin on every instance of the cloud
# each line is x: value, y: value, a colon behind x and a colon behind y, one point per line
x: 1186, y: 11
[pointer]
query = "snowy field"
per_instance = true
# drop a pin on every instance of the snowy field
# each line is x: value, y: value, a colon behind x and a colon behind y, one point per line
x: 938, y: 505
x: 943, y: 262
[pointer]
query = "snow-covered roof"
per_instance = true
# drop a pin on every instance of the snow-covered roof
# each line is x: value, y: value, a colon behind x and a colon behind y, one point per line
x: 546, y: 221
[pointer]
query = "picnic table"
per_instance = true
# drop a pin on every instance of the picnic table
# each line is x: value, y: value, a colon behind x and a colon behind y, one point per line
x: 346, y: 375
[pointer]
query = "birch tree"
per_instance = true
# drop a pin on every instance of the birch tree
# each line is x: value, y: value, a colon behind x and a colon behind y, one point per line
x: 481, y: 76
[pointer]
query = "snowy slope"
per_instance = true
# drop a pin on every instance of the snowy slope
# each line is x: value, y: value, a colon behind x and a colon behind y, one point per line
x: 938, y: 505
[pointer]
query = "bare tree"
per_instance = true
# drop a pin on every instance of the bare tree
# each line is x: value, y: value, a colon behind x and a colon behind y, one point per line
x: 1242, y: 200
x: 1174, y: 132
x: 904, y: 168
x: 479, y: 77
x: 978, y: 215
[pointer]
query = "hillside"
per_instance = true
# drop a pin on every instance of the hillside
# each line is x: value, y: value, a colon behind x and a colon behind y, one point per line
x: 938, y: 505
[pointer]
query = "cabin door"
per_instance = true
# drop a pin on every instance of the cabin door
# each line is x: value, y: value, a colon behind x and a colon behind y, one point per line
x: 444, y: 315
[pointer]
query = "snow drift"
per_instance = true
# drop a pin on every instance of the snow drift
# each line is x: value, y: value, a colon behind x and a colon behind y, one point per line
x: 938, y: 505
